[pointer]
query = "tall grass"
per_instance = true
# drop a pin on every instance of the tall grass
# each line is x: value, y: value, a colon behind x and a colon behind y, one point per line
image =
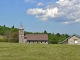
x: 16, y: 51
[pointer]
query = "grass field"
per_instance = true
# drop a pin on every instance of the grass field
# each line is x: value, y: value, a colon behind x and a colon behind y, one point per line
x: 16, y: 51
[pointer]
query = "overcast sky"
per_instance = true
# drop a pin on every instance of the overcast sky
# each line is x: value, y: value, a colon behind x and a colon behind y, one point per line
x: 55, y: 16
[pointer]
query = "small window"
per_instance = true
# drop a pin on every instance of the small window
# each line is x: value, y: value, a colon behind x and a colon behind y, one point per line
x: 33, y: 41
x: 75, y: 41
x: 45, y: 41
x: 21, y: 31
x: 29, y: 41
x: 25, y: 37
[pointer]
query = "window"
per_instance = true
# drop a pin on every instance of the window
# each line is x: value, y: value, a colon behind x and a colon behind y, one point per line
x: 25, y: 37
x: 41, y: 41
x: 75, y: 41
x: 29, y: 41
x: 33, y: 41
x: 45, y: 41
x: 21, y: 31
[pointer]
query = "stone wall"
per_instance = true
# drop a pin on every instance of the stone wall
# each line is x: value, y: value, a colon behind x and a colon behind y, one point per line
x: 65, y: 42
x: 21, y: 38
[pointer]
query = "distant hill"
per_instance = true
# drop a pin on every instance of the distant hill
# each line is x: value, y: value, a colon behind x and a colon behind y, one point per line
x: 4, y: 29
x: 8, y: 33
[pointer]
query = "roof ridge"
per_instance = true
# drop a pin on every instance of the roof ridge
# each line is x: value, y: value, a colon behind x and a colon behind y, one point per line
x: 71, y: 36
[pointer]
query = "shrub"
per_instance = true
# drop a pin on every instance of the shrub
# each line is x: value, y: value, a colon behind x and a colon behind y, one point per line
x: 0, y: 40
x: 5, y: 40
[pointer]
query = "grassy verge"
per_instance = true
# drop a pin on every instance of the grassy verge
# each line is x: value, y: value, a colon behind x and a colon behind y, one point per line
x: 16, y: 51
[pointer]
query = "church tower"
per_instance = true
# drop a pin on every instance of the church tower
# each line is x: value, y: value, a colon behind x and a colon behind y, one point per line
x: 21, y: 34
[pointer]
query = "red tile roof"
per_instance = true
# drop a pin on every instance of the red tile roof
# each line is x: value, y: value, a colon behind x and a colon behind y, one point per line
x: 36, y: 36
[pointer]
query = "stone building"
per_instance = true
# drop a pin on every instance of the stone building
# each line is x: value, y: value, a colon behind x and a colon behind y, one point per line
x: 74, y: 39
x: 32, y: 38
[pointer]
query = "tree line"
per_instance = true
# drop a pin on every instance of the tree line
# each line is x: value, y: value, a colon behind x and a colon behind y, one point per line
x: 10, y: 34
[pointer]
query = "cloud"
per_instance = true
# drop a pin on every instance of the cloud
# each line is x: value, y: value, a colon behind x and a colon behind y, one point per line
x: 42, y: 13
x: 32, y: 1
x: 77, y: 21
x: 40, y: 4
x: 65, y: 11
x: 65, y: 22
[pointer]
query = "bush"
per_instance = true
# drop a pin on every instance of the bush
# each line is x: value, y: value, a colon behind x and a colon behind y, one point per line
x: 54, y: 41
x: 5, y: 40
x: 0, y: 40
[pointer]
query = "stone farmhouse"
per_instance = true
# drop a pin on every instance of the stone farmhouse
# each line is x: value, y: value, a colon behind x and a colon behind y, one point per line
x: 74, y: 39
x: 32, y: 38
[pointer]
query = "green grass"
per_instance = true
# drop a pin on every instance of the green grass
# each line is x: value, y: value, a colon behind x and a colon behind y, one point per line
x: 16, y: 51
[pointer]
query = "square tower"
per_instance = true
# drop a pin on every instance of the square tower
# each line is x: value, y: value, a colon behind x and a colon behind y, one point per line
x: 21, y: 34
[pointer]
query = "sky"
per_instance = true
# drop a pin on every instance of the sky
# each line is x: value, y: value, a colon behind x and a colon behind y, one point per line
x: 54, y: 16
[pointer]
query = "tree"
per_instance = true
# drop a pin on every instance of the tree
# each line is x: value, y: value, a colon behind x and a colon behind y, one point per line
x: 6, y: 34
x: 13, y: 37
x: 45, y: 32
x: 66, y: 35
x: 54, y: 41
x: 58, y: 34
x: 4, y: 26
x: 13, y: 26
